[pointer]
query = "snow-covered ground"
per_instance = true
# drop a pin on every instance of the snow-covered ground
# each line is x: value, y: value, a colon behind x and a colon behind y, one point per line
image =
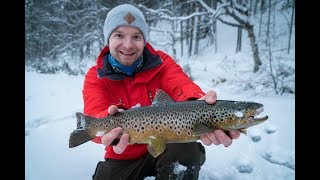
x: 51, y: 100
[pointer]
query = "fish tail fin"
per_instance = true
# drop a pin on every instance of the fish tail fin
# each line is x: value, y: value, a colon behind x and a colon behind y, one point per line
x: 81, y: 134
x: 78, y: 137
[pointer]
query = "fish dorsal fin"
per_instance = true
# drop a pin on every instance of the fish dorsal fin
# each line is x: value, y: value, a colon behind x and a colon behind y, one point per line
x: 199, y: 129
x: 156, y: 145
x: 161, y: 98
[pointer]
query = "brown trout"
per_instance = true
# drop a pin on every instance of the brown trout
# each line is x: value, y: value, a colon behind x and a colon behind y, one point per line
x: 166, y: 121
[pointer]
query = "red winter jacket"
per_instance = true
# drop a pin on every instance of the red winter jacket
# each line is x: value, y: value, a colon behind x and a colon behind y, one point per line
x: 104, y: 87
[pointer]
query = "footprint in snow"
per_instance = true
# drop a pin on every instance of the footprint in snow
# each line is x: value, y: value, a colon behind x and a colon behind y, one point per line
x: 269, y: 129
x: 243, y: 164
x: 280, y: 157
x: 255, y: 134
x: 245, y: 168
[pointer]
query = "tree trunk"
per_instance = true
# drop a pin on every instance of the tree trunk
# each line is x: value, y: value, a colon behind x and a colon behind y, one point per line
x: 214, y: 5
x: 261, y: 14
x: 254, y: 47
x: 239, y: 40
x: 268, y: 25
x: 291, y: 25
x: 181, y: 38
x: 215, y: 37
x: 197, y: 33
x: 255, y: 7
x: 191, y: 33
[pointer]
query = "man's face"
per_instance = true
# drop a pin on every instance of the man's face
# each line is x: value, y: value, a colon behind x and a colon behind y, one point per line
x: 126, y: 44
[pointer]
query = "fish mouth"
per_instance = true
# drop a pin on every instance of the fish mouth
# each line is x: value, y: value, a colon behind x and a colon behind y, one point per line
x: 254, y: 116
x: 250, y: 117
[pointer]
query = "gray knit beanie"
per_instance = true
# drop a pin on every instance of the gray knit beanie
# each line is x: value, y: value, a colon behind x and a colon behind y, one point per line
x: 125, y: 14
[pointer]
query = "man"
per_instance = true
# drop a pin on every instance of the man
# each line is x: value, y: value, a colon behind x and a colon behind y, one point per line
x: 127, y: 74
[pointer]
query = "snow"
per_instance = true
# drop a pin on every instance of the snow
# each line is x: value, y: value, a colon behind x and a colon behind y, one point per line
x: 266, y: 152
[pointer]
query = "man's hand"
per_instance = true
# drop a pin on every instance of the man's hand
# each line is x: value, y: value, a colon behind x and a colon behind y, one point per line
x: 217, y: 136
x: 115, y: 133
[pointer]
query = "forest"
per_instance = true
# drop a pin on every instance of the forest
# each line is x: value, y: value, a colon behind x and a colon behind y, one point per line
x: 66, y: 35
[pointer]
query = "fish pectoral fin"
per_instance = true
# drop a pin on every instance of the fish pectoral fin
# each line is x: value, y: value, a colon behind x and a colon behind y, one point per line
x: 156, y: 146
x: 244, y: 131
x: 199, y: 129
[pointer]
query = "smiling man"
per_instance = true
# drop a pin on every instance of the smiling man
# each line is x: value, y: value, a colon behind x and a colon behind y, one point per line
x: 128, y: 73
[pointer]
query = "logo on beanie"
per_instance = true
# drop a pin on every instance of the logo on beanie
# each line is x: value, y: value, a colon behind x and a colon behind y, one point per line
x: 129, y: 18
